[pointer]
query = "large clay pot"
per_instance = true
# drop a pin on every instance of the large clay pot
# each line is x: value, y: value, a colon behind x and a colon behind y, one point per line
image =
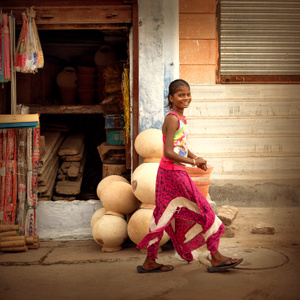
x: 67, y: 78
x: 67, y: 82
x: 86, y: 81
x: 202, y: 184
x: 139, y: 223
x: 105, y: 181
x: 97, y: 215
x: 86, y: 70
x: 110, y: 231
x: 105, y: 55
x: 67, y: 95
x: 149, y: 145
x: 197, y: 172
x: 117, y: 196
x: 143, y: 182
x: 86, y: 96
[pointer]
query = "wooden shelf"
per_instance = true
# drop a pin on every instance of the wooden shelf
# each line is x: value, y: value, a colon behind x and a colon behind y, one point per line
x: 65, y: 109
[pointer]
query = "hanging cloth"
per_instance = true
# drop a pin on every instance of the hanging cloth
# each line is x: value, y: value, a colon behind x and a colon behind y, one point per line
x: 1, y: 50
x: 6, y: 46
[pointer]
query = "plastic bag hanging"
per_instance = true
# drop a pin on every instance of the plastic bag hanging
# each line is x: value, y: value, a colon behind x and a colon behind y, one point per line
x: 29, y: 55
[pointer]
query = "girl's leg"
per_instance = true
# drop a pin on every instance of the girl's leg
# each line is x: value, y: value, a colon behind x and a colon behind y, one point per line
x: 218, y: 258
x: 150, y: 263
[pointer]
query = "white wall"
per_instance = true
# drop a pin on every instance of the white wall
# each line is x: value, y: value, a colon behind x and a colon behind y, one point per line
x: 158, y: 58
x: 250, y: 133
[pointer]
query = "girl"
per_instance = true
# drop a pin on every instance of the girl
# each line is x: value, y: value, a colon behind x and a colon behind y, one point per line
x: 181, y: 210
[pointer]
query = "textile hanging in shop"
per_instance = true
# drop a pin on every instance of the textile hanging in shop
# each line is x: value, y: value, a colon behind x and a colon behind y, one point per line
x: 5, y: 50
x: 29, y: 55
x: 1, y: 50
x: 8, y: 176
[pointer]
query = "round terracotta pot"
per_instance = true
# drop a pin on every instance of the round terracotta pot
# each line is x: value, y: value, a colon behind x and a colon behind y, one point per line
x: 197, y: 172
x: 68, y: 95
x: 86, y: 81
x: 149, y: 145
x: 110, y: 231
x: 202, y: 184
x: 86, y: 70
x: 139, y: 223
x: 86, y: 96
x: 104, y: 55
x: 67, y: 78
x: 143, y: 181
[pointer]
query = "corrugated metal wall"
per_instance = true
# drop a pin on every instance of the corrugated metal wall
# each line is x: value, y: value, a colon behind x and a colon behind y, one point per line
x: 260, y: 37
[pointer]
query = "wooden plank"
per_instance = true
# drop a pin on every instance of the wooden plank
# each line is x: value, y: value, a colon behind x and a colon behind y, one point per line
x: 66, y: 109
x: 51, y: 139
x: 72, y: 145
x: 44, y: 189
x: 49, y: 192
x: 19, y: 118
x: 71, y: 158
x: 53, y: 154
x: 47, y: 175
x: 79, y: 15
x: 72, y: 188
x: 73, y: 171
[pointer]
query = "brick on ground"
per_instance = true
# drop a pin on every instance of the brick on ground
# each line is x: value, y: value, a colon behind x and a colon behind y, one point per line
x: 227, y: 214
x: 263, y: 229
x: 229, y: 231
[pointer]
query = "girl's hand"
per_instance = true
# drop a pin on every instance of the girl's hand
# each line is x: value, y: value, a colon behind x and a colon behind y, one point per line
x: 201, y: 163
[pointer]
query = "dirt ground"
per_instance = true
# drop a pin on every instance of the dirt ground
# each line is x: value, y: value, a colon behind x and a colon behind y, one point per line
x: 80, y: 270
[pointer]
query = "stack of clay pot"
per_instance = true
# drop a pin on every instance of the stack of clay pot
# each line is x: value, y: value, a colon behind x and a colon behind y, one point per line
x: 67, y: 82
x: 201, y: 178
x: 109, y: 227
x: 86, y: 84
x: 148, y: 145
x: 103, y: 58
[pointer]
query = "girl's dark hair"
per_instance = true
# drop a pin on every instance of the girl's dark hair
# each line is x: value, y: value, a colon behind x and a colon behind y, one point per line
x: 174, y: 87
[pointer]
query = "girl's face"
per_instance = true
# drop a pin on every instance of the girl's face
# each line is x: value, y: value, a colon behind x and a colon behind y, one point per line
x: 181, y: 99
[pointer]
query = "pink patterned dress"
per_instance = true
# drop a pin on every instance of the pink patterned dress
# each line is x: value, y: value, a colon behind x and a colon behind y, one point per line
x: 180, y: 209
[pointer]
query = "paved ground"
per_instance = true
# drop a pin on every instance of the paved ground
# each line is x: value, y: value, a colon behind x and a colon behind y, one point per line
x: 80, y: 270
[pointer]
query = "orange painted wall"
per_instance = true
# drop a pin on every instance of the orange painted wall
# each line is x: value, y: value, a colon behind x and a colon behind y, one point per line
x: 198, y: 41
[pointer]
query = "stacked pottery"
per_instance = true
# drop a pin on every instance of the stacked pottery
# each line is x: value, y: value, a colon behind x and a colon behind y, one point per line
x: 201, y: 178
x: 104, y: 56
x: 67, y: 82
x: 148, y: 144
x: 118, y: 200
x: 86, y: 84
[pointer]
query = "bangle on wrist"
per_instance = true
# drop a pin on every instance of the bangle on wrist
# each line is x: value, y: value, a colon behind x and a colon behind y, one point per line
x: 194, y: 162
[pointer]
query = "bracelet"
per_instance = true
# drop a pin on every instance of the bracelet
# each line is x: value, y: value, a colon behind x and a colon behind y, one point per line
x: 194, y: 162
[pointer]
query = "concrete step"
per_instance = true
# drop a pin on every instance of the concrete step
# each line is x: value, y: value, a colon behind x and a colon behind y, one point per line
x: 243, y: 107
x: 258, y: 166
x: 244, y: 144
x: 246, y: 91
x: 241, y: 126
